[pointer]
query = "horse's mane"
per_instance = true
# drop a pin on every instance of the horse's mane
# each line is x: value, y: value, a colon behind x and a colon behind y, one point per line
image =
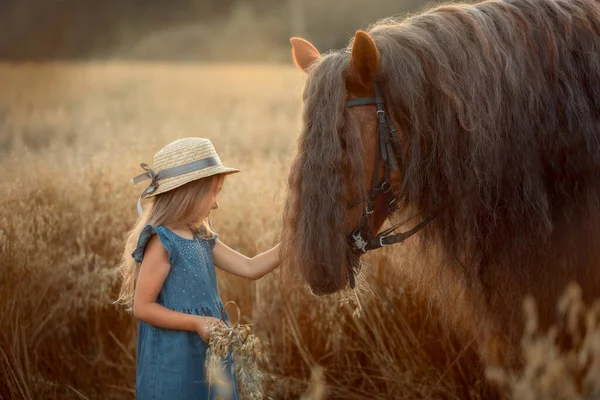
x: 317, y: 180
x: 498, y: 108
x: 498, y: 104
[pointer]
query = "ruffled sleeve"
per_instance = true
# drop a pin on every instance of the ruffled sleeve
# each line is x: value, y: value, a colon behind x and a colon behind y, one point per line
x: 212, y: 241
x: 145, y: 235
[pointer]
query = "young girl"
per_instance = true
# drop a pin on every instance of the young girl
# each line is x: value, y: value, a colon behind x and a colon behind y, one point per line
x: 168, y: 275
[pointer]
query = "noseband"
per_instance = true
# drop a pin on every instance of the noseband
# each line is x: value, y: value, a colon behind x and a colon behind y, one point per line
x: 388, y: 148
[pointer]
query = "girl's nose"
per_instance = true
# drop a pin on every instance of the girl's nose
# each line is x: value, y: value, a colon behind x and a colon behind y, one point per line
x: 215, y: 206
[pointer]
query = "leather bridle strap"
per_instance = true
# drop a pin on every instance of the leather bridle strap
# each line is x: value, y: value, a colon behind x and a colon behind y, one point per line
x: 388, y: 150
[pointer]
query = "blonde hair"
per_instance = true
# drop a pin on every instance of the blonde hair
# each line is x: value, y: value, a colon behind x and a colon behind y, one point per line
x: 177, y: 207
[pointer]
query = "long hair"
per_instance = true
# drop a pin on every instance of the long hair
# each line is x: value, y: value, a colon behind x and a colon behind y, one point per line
x: 177, y: 207
x: 498, y: 109
x: 319, y: 179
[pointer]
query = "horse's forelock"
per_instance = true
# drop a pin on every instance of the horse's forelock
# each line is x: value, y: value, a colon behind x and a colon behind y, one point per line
x: 314, y: 242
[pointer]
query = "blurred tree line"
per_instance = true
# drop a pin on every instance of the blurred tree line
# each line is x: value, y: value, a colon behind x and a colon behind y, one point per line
x: 218, y: 30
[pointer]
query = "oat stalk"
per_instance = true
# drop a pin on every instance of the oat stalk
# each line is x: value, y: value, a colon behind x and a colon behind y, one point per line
x: 247, y: 351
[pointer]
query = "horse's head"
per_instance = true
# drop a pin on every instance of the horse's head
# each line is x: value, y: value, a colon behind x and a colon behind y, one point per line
x: 341, y: 188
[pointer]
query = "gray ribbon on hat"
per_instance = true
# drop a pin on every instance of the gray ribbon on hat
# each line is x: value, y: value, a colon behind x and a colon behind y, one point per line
x: 168, y: 173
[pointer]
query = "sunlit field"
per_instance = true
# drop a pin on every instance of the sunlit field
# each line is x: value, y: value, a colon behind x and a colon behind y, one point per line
x: 71, y: 137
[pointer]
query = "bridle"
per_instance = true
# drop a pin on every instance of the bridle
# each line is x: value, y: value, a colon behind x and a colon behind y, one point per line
x: 388, y: 149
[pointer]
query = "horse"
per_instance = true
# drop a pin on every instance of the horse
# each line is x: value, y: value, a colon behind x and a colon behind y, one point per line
x: 480, y: 125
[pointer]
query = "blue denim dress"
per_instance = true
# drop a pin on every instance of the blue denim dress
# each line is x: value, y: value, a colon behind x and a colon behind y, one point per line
x: 171, y: 363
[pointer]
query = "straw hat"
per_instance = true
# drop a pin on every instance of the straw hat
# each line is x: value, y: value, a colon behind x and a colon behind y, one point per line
x: 180, y: 162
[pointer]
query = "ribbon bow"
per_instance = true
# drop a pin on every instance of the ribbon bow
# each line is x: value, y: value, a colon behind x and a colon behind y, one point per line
x: 149, y: 174
x: 195, y: 165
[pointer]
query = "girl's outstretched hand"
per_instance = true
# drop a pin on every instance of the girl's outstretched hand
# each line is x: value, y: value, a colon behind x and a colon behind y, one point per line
x: 203, y: 325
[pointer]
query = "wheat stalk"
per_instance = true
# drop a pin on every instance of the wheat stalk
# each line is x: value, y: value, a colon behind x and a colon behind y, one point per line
x: 247, y: 350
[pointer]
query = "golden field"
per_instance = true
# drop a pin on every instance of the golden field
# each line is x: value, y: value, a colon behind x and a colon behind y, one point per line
x: 71, y: 137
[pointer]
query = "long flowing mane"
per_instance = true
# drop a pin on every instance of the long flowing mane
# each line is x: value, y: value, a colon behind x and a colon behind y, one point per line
x: 498, y: 108
x: 318, y: 187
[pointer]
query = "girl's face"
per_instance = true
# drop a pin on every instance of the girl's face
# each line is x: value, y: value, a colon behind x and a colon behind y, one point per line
x: 211, y: 200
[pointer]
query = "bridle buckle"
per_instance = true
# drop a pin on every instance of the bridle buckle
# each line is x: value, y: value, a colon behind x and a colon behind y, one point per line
x: 381, y: 244
x: 385, y: 187
x: 358, y: 241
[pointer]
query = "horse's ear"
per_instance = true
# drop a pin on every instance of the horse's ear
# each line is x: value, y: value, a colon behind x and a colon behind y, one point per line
x: 303, y: 53
x: 364, y: 60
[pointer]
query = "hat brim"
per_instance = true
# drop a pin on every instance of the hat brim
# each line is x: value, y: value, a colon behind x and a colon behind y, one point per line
x: 180, y: 180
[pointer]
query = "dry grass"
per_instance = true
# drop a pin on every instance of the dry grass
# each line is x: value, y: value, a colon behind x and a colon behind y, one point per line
x: 563, y: 363
x: 247, y: 352
x: 70, y: 138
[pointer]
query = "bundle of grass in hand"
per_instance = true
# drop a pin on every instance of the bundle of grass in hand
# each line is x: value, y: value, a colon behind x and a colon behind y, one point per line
x: 247, y: 353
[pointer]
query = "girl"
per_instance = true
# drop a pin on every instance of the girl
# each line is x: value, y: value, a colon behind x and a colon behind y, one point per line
x: 168, y: 275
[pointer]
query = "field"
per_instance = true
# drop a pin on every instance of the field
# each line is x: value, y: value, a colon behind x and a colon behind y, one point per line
x: 71, y: 137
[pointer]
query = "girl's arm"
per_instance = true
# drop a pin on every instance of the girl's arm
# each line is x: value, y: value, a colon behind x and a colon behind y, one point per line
x: 153, y: 272
x: 238, y: 264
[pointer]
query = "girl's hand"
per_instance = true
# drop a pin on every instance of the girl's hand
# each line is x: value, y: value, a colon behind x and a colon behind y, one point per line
x: 203, y: 325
